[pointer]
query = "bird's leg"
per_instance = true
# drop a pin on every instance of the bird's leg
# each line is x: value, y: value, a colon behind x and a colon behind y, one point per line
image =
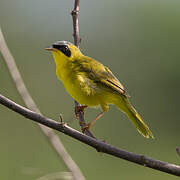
x: 95, y: 119
x: 88, y: 126
x: 79, y: 108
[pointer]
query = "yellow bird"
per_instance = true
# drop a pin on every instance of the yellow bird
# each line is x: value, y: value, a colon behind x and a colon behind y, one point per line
x: 92, y: 84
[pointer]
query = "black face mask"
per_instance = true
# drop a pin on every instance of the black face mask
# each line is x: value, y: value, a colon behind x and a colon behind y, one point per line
x: 63, y: 48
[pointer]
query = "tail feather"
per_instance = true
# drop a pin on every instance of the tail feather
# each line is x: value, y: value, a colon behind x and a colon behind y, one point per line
x: 125, y: 106
x: 139, y: 123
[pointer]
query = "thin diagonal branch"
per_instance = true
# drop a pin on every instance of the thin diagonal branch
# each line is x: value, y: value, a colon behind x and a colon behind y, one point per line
x: 51, y: 136
x: 99, y: 145
x: 77, y: 40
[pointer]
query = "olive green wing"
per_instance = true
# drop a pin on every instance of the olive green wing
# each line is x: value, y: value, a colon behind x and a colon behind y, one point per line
x: 110, y: 80
x: 97, y: 72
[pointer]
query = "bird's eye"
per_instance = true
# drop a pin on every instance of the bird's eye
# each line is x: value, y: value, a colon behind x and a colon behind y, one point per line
x: 63, y: 48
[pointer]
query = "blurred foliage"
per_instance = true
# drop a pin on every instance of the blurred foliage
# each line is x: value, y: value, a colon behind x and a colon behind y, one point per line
x: 138, y: 40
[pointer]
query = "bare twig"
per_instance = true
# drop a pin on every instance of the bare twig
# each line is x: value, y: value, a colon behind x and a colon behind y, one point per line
x: 74, y: 14
x: 77, y: 40
x: 99, y: 145
x: 51, y: 136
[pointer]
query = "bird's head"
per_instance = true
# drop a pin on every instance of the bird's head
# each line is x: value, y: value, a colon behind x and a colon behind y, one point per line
x: 64, y: 49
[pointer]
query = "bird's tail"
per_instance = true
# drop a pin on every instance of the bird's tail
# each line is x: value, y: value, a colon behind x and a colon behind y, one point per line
x: 125, y: 106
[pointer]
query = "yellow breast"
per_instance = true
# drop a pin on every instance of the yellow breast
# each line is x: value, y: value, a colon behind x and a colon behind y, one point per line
x: 78, y: 85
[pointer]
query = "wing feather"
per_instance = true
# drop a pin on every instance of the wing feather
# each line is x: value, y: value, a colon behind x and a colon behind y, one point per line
x: 99, y: 73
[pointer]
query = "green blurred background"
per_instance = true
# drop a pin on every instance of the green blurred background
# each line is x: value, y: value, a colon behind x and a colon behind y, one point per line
x: 138, y: 40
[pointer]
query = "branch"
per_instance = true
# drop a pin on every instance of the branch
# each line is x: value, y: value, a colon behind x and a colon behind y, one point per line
x: 77, y: 40
x: 51, y: 136
x: 74, y: 14
x: 98, y: 145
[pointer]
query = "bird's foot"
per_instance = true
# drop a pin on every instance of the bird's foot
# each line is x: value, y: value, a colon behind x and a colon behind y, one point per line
x: 78, y: 109
x: 84, y: 126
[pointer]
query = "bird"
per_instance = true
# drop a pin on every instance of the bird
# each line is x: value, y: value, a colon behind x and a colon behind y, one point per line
x: 92, y: 84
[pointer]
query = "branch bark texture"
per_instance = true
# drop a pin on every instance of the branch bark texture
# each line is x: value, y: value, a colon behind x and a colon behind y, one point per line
x: 98, y: 145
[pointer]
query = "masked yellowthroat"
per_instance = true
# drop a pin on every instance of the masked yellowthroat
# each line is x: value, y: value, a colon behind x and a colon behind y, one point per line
x: 92, y: 84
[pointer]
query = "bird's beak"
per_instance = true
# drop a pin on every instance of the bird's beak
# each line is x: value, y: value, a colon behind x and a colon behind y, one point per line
x: 50, y: 48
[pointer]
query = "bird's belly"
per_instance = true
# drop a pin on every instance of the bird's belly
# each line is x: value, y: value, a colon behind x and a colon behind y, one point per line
x: 83, y: 94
